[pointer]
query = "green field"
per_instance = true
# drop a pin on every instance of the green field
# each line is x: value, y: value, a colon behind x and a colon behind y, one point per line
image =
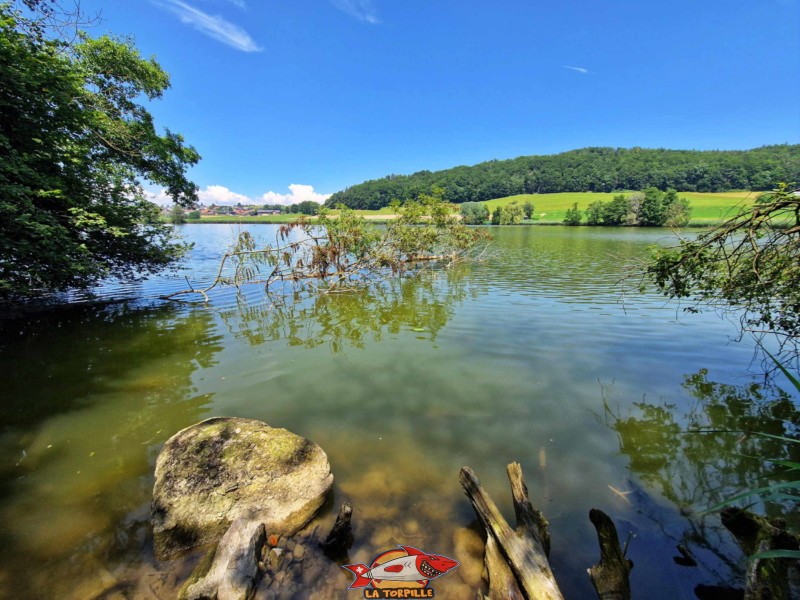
x: 707, y: 208
x: 372, y: 215
x: 286, y: 218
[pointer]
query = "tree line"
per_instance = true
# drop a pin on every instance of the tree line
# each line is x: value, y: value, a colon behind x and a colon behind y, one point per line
x: 649, y: 208
x: 587, y: 170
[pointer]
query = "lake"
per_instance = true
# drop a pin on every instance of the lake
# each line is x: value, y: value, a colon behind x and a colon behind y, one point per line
x: 535, y: 354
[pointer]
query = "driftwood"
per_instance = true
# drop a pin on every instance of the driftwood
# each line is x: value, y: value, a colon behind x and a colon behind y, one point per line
x: 522, y: 549
x: 517, y: 559
x: 766, y: 578
x: 339, y: 540
x: 502, y: 585
x: 234, y: 573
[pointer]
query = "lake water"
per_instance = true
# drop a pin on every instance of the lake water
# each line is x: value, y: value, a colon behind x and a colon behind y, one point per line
x: 536, y: 354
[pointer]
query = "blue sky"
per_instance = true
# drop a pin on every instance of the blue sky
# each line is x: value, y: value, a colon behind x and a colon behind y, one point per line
x: 322, y: 94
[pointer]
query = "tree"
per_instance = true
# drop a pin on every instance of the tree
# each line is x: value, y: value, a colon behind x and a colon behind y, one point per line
x: 616, y: 211
x: 308, y: 207
x: 573, y: 215
x: 678, y: 210
x: 528, y: 209
x: 595, y: 212
x: 176, y: 215
x: 497, y: 215
x: 511, y: 215
x: 474, y: 213
x: 749, y: 264
x: 77, y: 142
x: 652, y: 212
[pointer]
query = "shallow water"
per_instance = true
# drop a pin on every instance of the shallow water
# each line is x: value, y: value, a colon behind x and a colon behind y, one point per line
x: 535, y: 354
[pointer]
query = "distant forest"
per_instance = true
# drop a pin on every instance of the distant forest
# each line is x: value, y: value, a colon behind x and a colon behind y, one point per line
x: 588, y: 170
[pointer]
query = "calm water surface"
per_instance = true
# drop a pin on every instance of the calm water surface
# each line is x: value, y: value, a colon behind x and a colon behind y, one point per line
x: 534, y: 355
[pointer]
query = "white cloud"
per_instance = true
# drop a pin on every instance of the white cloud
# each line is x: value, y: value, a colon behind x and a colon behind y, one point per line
x: 582, y: 70
x: 213, y: 26
x: 363, y: 10
x: 219, y: 194
x: 299, y: 193
x: 158, y: 195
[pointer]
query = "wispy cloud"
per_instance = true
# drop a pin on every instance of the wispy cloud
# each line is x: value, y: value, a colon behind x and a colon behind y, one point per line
x: 213, y: 26
x: 363, y: 10
x: 581, y: 70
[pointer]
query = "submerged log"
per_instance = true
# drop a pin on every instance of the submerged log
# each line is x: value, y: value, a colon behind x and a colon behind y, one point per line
x: 766, y: 578
x: 522, y: 550
x: 610, y: 576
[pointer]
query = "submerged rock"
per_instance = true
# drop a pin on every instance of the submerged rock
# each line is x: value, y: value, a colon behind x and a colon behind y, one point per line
x: 222, y: 469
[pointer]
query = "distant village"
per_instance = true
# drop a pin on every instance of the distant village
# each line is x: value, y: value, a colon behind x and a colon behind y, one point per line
x: 240, y: 210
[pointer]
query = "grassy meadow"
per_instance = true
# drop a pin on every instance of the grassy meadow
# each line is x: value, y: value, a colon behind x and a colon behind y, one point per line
x: 372, y: 215
x: 707, y: 208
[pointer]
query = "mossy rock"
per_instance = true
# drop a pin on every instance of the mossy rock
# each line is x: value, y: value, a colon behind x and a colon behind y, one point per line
x: 221, y: 469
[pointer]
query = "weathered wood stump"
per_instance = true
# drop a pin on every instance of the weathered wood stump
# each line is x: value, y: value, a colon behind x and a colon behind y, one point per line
x: 610, y: 575
x: 517, y: 560
x: 337, y: 544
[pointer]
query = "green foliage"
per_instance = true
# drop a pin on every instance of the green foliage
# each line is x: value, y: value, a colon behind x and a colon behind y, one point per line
x: 76, y: 142
x: 573, y: 216
x: 528, y: 209
x: 497, y: 215
x: 193, y: 215
x: 587, y: 170
x: 651, y: 208
x: 652, y: 211
x: 306, y: 207
x: 474, y: 213
x: 595, y: 213
x: 512, y: 214
x: 177, y: 216
x: 751, y: 264
x: 616, y: 211
x: 678, y: 210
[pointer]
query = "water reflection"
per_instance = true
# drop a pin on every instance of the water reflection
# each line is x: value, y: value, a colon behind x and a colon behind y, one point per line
x: 700, y: 453
x: 422, y: 303
x: 80, y: 432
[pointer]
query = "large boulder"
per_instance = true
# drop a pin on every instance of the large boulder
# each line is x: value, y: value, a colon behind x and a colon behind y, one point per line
x: 223, y: 469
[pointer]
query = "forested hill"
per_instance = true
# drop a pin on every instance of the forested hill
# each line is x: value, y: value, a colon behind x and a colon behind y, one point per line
x: 589, y: 170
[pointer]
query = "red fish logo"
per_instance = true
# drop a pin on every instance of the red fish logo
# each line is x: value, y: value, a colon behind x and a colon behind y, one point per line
x: 406, y: 567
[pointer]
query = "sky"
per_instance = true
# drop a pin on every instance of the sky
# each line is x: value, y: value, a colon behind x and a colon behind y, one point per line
x: 291, y: 100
